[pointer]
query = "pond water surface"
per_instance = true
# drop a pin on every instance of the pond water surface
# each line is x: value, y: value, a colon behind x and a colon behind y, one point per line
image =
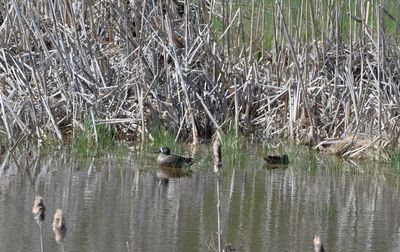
x: 126, y: 204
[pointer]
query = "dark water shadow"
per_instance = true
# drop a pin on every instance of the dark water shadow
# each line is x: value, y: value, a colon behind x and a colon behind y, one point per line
x: 275, y: 166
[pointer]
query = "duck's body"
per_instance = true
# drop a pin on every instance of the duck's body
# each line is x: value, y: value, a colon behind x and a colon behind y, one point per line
x: 166, y: 159
x: 277, y: 160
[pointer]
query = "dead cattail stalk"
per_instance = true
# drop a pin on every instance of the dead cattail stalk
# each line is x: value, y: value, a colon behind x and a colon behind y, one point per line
x: 39, y: 209
x: 318, y: 247
x: 236, y: 109
x: 96, y: 137
x: 378, y: 81
x: 217, y: 155
x: 59, y: 227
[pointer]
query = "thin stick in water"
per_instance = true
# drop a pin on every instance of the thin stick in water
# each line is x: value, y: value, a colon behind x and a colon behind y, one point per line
x: 39, y: 212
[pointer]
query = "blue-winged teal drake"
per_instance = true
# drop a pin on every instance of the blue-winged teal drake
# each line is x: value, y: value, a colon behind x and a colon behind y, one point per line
x: 166, y: 159
x: 277, y: 160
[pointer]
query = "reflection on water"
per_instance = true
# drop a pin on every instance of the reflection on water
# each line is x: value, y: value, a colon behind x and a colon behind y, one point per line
x: 129, y: 205
x: 170, y: 173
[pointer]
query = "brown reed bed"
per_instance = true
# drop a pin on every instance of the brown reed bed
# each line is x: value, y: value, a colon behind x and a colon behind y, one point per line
x: 196, y: 67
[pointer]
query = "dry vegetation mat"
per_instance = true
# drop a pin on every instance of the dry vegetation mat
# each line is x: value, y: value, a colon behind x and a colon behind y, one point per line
x: 331, y: 71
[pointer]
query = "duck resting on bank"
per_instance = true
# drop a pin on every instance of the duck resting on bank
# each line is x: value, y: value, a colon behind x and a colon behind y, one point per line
x: 166, y: 159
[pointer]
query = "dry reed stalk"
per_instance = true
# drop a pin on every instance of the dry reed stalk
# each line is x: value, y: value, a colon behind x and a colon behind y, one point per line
x: 182, y: 80
x: 337, y: 34
x: 236, y: 125
x: 252, y: 38
x: 378, y: 82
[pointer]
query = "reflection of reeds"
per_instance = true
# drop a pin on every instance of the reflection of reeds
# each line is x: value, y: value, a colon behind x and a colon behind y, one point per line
x: 219, y: 232
x: 38, y: 211
x: 59, y: 227
x: 167, y: 173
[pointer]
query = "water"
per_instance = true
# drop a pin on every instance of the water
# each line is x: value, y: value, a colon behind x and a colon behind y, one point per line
x: 120, y: 205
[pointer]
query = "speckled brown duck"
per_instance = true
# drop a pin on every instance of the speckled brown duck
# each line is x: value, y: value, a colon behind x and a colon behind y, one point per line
x: 166, y: 159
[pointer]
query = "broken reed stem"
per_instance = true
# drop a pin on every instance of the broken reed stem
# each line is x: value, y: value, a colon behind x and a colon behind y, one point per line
x: 378, y: 82
x: 217, y: 155
x: 59, y: 227
x: 96, y: 137
x: 143, y: 125
x: 236, y: 108
x: 336, y: 78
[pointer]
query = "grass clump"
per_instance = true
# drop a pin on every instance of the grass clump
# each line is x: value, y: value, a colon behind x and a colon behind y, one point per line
x: 90, y: 141
x: 395, y: 160
x: 313, y: 162
x: 49, y: 146
x: 218, y: 27
x: 162, y: 136
x: 83, y: 141
x: 233, y: 147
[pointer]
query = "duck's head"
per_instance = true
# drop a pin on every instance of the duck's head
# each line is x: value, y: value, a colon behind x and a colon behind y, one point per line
x: 165, y: 150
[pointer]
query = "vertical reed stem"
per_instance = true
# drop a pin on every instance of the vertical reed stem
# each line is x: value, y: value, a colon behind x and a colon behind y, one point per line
x: 219, y: 232
x: 41, y: 237
x: 236, y: 109
x: 94, y: 127
x: 378, y: 84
